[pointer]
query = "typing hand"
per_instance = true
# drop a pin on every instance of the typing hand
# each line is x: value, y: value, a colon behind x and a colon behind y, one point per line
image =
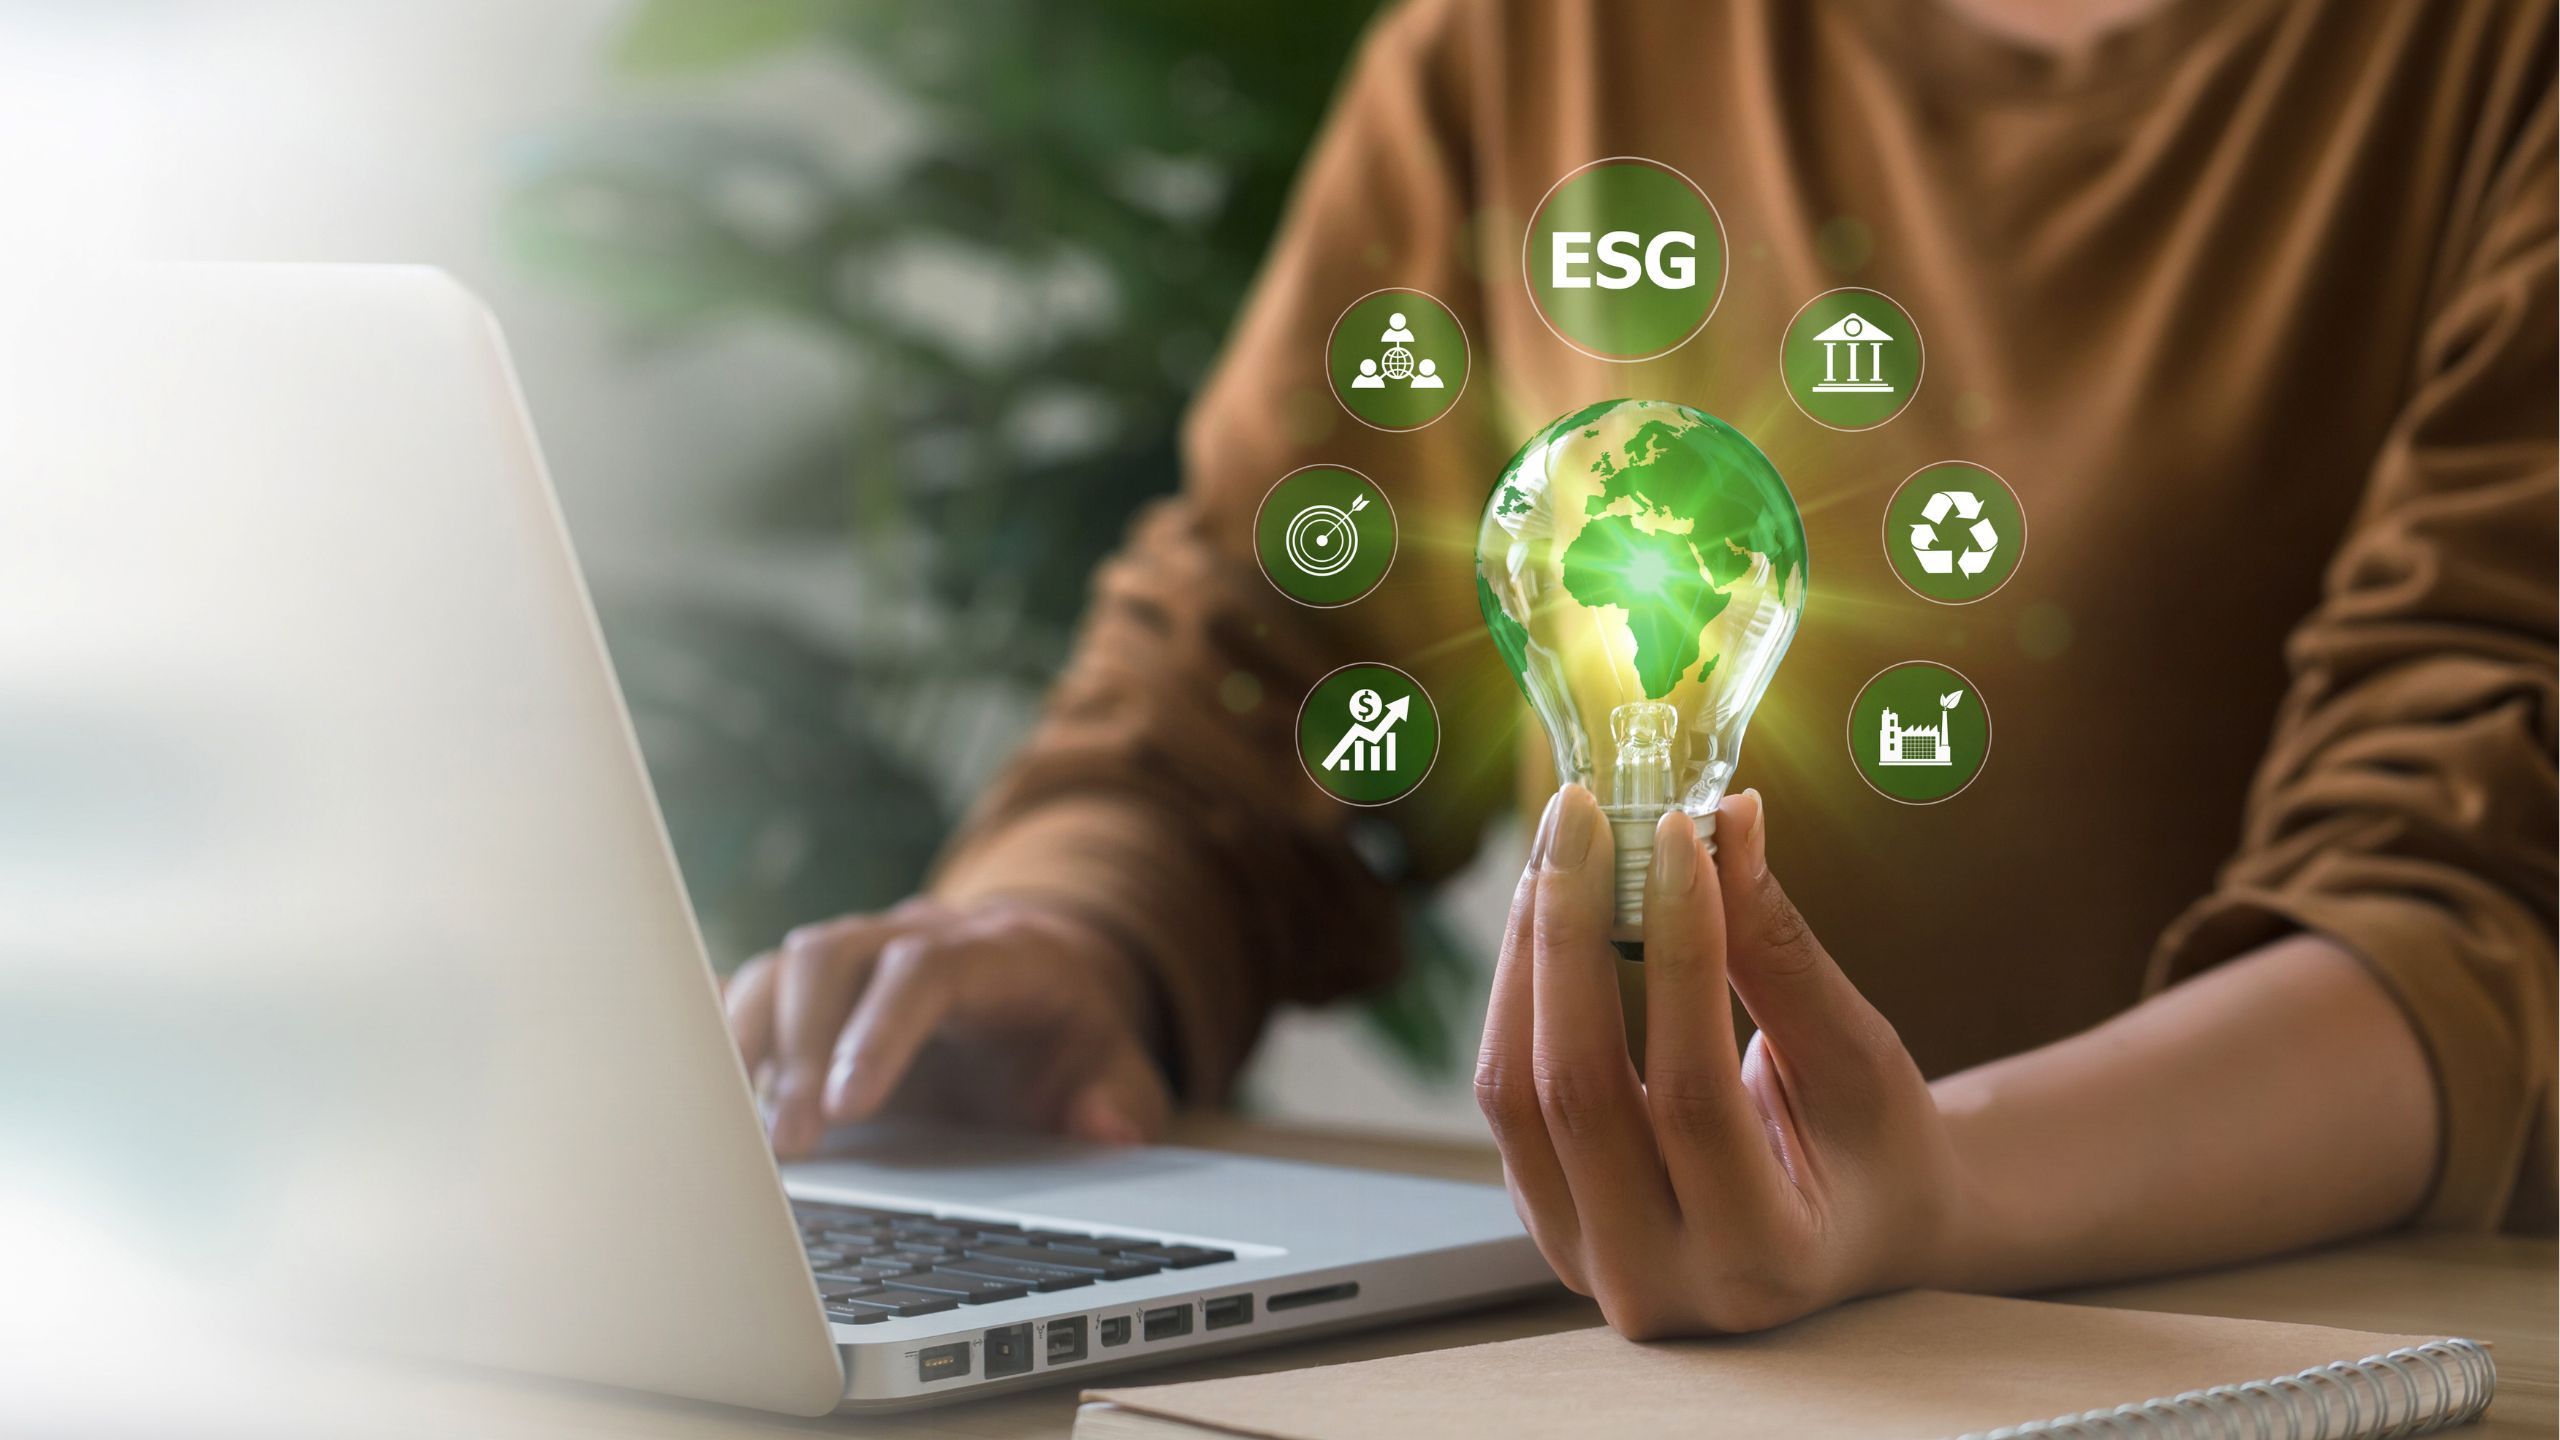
x: 1001, y: 1012
x: 1715, y: 1191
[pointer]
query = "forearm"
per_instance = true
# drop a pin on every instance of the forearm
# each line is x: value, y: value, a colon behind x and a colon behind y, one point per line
x: 2278, y: 1101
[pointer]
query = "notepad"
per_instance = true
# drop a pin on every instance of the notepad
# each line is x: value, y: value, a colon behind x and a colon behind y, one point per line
x: 1922, y: 1365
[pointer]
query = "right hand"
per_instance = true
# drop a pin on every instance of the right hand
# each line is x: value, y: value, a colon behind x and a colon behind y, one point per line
x: 1003, y: 1012
x: 1715, y: 1189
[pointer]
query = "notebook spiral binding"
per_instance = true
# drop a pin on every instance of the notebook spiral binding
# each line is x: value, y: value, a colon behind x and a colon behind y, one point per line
x: 2380, y: 1397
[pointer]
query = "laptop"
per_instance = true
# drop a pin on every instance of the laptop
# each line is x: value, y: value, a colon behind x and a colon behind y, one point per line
x: 329, y: 852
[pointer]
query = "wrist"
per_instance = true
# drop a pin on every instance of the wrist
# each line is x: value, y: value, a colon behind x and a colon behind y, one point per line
x: 1973, y: 1227
x: 1120, y: 970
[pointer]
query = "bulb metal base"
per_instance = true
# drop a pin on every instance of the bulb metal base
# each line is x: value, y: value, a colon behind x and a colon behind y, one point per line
x: 1631, y: 832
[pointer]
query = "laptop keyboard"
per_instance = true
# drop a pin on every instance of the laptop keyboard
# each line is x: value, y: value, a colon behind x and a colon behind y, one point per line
x: 874, y: 1264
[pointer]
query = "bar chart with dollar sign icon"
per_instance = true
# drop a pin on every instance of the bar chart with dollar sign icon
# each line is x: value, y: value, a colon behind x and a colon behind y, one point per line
x: 1368, y: 734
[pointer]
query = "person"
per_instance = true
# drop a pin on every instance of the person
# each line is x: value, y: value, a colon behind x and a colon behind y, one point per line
x: 2243, y: 938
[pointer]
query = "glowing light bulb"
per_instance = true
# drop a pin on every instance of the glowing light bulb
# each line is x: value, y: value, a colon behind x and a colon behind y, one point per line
x: 1642, y: 568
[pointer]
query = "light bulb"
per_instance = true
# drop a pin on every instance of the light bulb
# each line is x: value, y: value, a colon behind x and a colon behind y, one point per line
x: 1642, y: 568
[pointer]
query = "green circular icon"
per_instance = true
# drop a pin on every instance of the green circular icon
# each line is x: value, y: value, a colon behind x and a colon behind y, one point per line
x: 1852, y: 359
x: 1325, y: 535
x: 1625, y: 259
x: 1919, y: 732
x: 1368, y: 734
x: 1397, y: 359
x: 1954, y: 532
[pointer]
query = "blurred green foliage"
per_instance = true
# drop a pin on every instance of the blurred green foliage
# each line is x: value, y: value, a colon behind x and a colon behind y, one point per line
x: 1025, y: 267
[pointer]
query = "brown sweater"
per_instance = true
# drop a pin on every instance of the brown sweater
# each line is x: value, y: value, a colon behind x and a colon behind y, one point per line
x: 2253, y: 303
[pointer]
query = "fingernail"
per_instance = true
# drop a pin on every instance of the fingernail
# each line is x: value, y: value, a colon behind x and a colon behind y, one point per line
x: 1577, y: 818
x: 1546, y: 830
x: 1675, y: 855
x: 1756, y: 845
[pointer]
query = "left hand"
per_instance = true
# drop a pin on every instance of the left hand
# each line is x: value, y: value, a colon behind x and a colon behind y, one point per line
x: 1717, y: 1191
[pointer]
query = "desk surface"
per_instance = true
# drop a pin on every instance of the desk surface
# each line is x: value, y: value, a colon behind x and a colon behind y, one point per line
x: 2487, y: 1287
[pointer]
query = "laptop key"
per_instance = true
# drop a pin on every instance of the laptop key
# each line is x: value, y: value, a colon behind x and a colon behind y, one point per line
x: 862, y: 1275
x: 972, y: 1289
x: 1108, y: 1244
x: 850, y: 1316
x: 838, y: 1293
x: 1180, y: 1257
x: 1038, y: 1277
x: 894, y: 1301
x: 868, y: 1272
x: 929, y: 1232
x: 1108, y: 1267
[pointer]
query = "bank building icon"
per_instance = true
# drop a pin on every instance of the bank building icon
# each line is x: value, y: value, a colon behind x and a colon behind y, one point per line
x: 1842, y: 345
x: 1900, y: 744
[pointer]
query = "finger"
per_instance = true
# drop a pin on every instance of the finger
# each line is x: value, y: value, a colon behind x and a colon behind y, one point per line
x: 914, y: 989
x: 1765, y: 1076
x: 1587, y: 1087
x: 1787, y: 980
x: 1703, y: 1119
x: 821, y: 970
x: 1507, y: 1087
x: 747, y: 1001
x: 1124, y: 1103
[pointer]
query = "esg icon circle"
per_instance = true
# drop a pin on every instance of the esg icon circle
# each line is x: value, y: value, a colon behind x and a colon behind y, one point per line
x: 1624, y: 259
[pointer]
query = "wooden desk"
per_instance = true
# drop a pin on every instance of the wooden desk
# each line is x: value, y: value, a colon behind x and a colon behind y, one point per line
x: 2486, y: 1287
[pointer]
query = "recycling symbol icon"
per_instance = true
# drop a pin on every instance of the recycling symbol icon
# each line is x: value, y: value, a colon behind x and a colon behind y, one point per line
x: 1979, y: 539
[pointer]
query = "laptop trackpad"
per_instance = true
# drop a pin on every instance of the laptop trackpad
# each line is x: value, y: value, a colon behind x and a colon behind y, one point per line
x: 937, y: 1163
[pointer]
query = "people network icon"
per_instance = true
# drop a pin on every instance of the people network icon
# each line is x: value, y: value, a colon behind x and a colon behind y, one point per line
x: 1397, y: 362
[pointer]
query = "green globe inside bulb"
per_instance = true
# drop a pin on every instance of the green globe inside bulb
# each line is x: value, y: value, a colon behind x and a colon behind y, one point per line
x: 1642, y: 568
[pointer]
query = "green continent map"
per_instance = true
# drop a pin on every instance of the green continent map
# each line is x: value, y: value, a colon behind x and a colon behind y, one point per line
x: 1667, y: 532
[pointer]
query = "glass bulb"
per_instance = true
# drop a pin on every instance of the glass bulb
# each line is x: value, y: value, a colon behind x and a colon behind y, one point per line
x: 1642, y: 568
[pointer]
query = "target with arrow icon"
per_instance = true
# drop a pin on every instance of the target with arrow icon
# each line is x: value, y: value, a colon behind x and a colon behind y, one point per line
x: 1322, y: 540
x: 1325, y: 535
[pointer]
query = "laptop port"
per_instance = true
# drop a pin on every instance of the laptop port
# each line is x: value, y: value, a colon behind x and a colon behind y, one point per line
x: 1065, y: 1340
x: 1114, y: 1329
x: 943, y: 1362
x: 1008, y: 1351
x: 1168, y: 1322
x: 1226, y: 1310
x: 1320, y: 1295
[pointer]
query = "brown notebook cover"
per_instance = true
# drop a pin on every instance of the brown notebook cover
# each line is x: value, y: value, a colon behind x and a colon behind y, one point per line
x: 1922, y: 1365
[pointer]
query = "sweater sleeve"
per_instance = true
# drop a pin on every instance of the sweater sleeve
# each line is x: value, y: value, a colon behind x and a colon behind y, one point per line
x: 2405, y: 807
x: 1162, y: 796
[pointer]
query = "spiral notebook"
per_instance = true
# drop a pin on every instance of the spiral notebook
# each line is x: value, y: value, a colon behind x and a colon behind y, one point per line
x: 1917, y: 1366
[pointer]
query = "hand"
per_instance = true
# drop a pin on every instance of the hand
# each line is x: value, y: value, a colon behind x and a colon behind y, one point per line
x: 1003, y: 1012
x: 1716, y: 1191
